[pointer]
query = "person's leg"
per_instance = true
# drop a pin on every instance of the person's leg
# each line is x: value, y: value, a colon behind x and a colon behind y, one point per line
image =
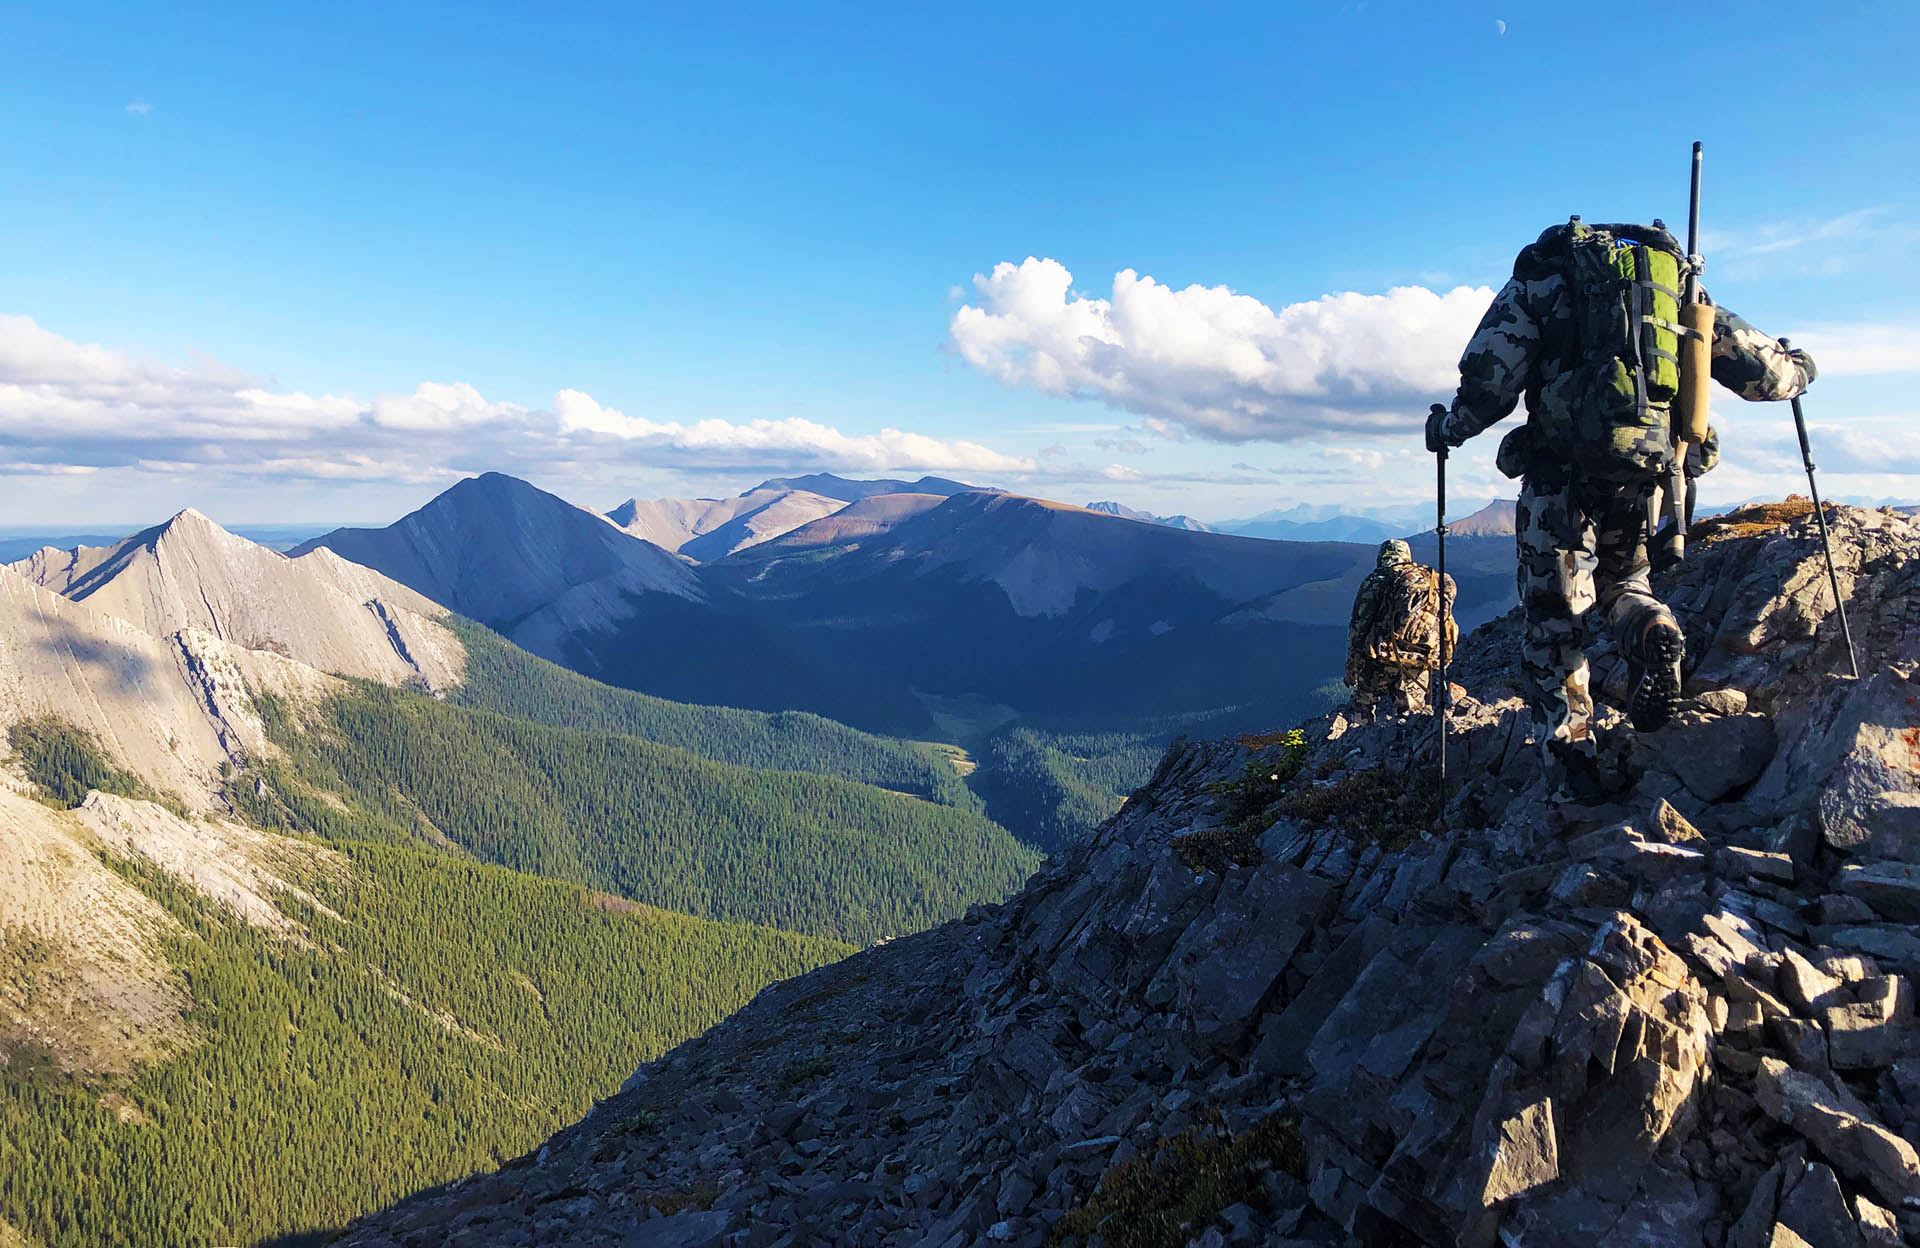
x: 1555, y: 542
x: 1648, y: 635
x: 1363, y: 707
x: 1410, y: 690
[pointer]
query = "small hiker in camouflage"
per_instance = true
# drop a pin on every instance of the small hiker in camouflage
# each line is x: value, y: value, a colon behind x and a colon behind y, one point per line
x: 1393, y: 644
x: 1582, y: 525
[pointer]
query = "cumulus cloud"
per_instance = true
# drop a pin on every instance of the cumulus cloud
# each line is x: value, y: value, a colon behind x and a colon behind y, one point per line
x: 1222, y: 365
x: 139, y: 108
x: 67, y: 406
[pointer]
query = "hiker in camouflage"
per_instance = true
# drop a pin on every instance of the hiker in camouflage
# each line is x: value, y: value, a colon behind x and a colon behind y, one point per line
x: 1582, y: 537
x: 1392, y: 639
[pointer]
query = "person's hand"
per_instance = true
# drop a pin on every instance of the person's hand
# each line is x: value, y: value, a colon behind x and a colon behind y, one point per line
x: 1437, y: 430
x: 1802, y: 359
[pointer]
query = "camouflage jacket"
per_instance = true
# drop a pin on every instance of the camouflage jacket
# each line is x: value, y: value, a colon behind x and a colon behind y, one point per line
x: 1521, y: 344
x: 1376, y: 640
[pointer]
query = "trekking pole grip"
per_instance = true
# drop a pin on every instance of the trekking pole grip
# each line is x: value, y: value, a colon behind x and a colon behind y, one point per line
x: 1800, y: 423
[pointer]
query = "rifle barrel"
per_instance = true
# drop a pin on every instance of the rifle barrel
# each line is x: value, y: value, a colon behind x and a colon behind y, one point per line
x: 1693, y: 205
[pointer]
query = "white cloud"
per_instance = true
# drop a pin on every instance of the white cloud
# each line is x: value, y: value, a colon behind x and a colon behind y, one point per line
x: 789, y: 441
x: 1220, y: 364
x: 1859, y: 350
x: 68, y: 405
x: 139, y: 108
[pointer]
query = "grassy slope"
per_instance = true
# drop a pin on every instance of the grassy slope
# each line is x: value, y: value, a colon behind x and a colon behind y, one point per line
x: 504, y: 678
x: 455, y: 1016
x: 802, y: 852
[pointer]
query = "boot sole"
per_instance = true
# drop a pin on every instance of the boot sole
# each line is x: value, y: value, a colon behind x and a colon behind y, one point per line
x: 1658, y: 695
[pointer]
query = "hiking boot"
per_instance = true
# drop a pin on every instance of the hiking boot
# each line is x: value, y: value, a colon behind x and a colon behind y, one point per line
x: 1656, y: 695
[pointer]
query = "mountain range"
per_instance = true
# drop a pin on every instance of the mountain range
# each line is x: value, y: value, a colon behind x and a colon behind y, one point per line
x: 285, y: 844
x: 389, y: 849
x: 884, y: 611
x: 997, y: 623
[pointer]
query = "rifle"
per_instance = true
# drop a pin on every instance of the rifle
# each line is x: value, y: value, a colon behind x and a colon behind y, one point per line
x: 1696, y: 342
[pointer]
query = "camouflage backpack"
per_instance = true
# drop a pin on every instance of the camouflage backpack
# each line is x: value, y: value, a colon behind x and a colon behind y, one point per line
x: 1607, y: 411
x: 1403, y: 623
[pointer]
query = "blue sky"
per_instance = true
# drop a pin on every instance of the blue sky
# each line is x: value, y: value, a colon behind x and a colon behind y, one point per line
x: 235, y: 245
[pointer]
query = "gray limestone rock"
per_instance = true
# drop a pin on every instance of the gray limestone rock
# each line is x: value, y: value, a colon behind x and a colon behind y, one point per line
x: 1857, y: 1146
x: 1892, y: 889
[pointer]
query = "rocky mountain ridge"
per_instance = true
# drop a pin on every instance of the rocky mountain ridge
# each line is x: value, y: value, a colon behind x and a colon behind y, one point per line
x: 318, y: 609
x: 1275, y: 1001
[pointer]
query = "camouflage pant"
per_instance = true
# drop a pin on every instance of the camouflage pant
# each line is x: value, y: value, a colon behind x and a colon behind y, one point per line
x: 1404, y: 689
x: 1583, y: 550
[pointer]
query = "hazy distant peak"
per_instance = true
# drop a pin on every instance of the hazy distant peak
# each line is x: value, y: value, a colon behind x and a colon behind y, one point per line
x: 848, y: 489
x: 1128, y: 513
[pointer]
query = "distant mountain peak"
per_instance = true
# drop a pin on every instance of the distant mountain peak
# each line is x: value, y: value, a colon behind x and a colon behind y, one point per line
x: 1496, y: 519
x: 1145, y: 517
x: 514, y: 557
x: 849, y: 489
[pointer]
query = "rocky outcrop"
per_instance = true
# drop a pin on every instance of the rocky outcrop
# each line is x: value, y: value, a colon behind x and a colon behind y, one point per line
x: 1283, y: 998
x: 171, y: 710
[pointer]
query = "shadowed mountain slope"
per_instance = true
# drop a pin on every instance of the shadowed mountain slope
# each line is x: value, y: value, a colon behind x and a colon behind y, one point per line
x: 1045, y: 607
x: 857, y: 521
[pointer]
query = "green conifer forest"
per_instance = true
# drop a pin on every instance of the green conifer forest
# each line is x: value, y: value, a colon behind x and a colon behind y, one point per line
x: 650, y: 822
x: 452, y: 1016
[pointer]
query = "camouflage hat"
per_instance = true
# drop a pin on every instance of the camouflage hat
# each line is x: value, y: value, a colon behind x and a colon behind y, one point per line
x: 1395, y: 552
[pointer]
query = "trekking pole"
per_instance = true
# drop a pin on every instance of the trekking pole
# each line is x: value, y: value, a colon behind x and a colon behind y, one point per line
x: 1826, y: 540
x: 1442, y: 690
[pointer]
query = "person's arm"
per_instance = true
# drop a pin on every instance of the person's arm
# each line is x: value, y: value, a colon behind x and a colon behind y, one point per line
x: 1497, y: 363
x: 1755, y: 366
